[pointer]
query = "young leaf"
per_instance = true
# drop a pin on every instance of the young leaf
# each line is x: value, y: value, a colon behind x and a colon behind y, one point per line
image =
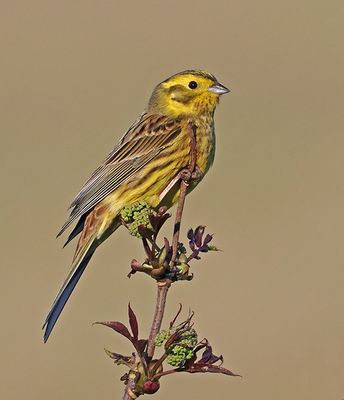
x: 209, y: 368
x: 120, y: 359
x: 199, y: 235
x: 118, y: 327
x: 191, y: 238
x: 148, y: 250
x: 157, y: 221
x: 209, y: 358
x: 133, y: 323
x: 190, y: 234
x: 145, y: 232
x: 207, y: 239
x: 141, y: 345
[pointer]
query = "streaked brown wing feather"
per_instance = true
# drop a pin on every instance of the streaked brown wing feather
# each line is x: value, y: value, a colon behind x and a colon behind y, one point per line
x: 141, y: 127
x: 101, y: 170
x: 141, y: 144
x: 151, y: 137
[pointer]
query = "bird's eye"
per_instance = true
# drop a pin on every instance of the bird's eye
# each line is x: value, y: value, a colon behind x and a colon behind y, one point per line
x: 192, y: 85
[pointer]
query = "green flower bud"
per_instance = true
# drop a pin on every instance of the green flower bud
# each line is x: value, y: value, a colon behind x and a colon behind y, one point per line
x: 162, y: 337
x: 179, y: 353
x: 137, y: 214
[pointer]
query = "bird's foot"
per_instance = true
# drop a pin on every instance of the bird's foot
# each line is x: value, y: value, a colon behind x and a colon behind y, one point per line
x: 186, y: 175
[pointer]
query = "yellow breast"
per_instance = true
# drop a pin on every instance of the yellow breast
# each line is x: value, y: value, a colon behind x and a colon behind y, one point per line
x: 205, y: 143
x: 150, y: 182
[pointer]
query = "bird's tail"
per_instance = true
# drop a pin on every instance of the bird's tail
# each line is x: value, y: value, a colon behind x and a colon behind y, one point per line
x: 99, y: 224
x: 78, y: 267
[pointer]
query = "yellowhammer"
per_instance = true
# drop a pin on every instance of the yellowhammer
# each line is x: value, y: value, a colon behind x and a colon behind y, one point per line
x: 143, y: 166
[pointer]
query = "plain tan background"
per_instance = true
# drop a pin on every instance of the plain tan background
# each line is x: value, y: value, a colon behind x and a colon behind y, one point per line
x: 74, y: 75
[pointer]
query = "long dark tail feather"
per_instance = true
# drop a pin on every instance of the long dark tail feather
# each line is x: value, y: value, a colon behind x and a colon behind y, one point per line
x: 78, y: 228
x: 64, y: 294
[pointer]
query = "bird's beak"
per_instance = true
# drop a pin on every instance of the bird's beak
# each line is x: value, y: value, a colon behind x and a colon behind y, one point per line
x: 217, y: 88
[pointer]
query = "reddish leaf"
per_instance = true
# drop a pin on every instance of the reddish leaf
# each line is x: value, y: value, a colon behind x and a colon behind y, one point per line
x: 194, y: 254
x: 118, y: 327
x: 133, y: 322
x: 191, y: 238
x: 174, y: 338
x: 153, y: 219
x: 207, y: 354
x: 166, y: 244
x: 135, y: 264
x: 157, y: 221
x: 162, y: 221
x: 201, y: 345
x: 204, y: 249
x: 148, y: 250
x: 177, y: 315
x: 198, y: 235
x: 124, y: 378
x: 141, y: 345
x: 207, y: 239
x: 209, y: 358
x: 120, y: 358
x: 190, y: 234
x: 145, y: 232
x: 209, y: 368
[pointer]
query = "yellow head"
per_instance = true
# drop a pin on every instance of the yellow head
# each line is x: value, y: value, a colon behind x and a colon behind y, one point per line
x: 189, y: 93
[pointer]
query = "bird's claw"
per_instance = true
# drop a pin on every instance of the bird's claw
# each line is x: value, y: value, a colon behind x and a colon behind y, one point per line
x: 186, y: 175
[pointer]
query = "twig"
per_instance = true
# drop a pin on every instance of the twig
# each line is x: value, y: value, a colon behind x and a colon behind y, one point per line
x: 164, y: 284
x: 183, y: 188
x: 168, y: 372
x: 163, y: 287
x: 128, y: 391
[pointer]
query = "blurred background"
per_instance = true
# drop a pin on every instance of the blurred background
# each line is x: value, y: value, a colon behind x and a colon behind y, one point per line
x: 74, y: 75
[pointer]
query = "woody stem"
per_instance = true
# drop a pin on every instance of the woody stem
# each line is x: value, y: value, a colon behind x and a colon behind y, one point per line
x: 163, y: 287
x: 128, y: 391
x: 165, y: 284
x: 183, y: 188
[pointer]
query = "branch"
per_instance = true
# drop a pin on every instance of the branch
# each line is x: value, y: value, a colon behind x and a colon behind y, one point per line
x: 165, y: 264
x: 183, y: 188
x: 164, y: 285
x: 128, y: 391
x: 152, y: 370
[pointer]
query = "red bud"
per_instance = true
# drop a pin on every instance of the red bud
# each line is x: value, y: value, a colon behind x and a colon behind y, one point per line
x: 151, y: 387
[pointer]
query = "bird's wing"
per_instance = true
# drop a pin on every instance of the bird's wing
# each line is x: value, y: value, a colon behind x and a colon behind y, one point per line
x: 130, y: 133
x: 146, y: 138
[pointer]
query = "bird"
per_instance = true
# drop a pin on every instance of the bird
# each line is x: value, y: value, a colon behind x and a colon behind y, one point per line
x: 143, y: 167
